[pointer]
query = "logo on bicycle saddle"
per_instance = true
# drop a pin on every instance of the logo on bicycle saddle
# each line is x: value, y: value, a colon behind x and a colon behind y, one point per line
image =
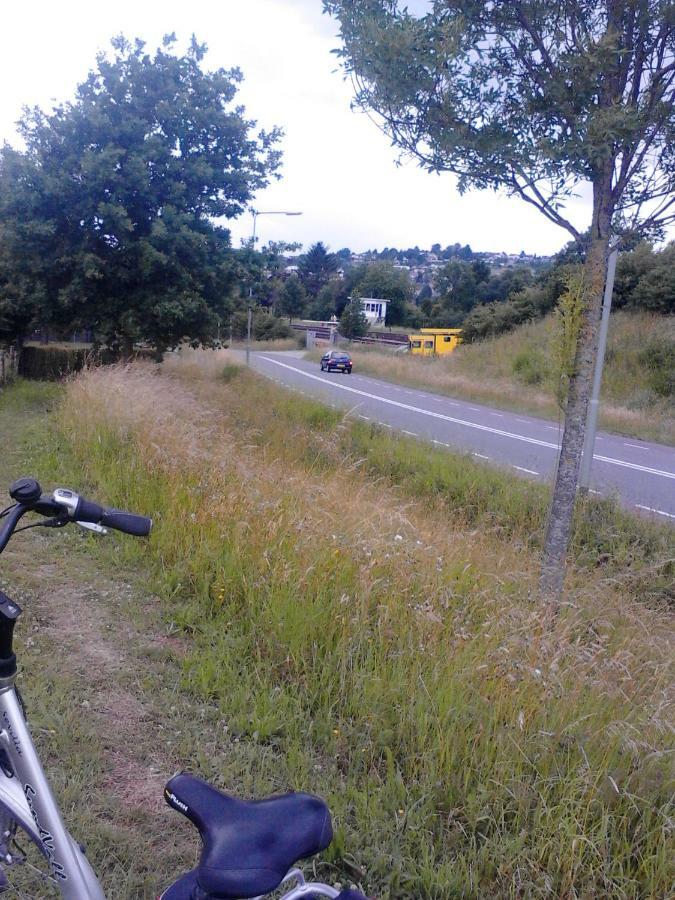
x: 174, y: 801
x: 45, y: 836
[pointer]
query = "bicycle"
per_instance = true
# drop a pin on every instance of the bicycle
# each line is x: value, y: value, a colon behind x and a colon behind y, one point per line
x: 249, y: 848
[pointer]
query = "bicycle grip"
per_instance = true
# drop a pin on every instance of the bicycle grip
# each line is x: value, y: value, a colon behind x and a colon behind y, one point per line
x: 129, y: 523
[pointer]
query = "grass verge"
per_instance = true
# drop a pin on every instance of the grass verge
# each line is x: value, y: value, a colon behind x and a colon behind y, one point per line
x: 514, y: 371
x: 361, y: 638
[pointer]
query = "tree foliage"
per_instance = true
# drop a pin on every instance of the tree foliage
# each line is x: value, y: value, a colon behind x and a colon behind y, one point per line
x: 107, y: 219
x: 353, y: 321
x: 316, y: 267
x: 382, y: 281
x: 293, y: 298
x: 535, y: 97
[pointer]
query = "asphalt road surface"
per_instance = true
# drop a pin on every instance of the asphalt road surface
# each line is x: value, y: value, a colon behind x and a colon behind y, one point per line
x: 641, y: 474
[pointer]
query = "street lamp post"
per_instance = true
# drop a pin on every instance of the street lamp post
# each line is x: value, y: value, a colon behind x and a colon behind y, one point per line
x: 255, y: 213
x: 269, y: 212
x: 592, y: 420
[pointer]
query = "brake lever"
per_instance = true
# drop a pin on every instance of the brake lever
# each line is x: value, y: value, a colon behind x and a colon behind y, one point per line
x: 92, y: 526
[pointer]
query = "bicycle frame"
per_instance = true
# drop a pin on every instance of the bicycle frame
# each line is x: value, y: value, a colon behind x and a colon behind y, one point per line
x: 29, y: 799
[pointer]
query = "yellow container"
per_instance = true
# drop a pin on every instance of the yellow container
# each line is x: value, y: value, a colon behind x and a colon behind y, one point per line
x: 432, y: 341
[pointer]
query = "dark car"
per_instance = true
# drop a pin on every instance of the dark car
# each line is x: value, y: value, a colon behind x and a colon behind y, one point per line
x: 336, y: 359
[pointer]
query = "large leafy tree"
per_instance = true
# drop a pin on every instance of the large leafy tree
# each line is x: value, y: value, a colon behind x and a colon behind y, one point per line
x: 382, y: 280
x: 540, y: 98
x: 109, y: 217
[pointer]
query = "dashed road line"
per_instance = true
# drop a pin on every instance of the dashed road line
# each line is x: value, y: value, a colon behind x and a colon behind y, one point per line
x: 661, y: 512
x: 385, y: 424
x: 475, y: 425
x: 636, y: 446
x: 479, y: 455
x: 367, y: 418
x: 523, y: 469
x: 499, y: 415
x: 411, y: 433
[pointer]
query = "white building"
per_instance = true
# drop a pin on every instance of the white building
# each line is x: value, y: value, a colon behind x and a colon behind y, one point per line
x: 375, y: 309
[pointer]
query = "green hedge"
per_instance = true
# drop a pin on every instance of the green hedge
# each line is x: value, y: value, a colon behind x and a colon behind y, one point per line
x: 46, y: 363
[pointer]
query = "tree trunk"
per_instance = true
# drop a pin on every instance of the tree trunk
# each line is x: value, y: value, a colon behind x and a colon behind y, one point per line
x: 559, y: 527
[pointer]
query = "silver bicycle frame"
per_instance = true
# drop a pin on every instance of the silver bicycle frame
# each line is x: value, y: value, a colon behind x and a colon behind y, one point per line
x: 29, y: 800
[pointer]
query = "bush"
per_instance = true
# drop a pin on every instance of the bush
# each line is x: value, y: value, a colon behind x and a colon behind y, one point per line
x: 265, y: 326
x: 52, y: 363
x: 658, y: 356
x: 530, y: 367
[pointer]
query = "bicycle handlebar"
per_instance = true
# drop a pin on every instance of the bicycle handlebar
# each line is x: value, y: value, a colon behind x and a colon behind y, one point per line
x: 129, y: 523
x: 66, y: 506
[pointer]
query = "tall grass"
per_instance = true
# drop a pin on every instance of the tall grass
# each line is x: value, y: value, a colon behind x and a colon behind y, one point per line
x: 516, y: 370
x: 385, y: 655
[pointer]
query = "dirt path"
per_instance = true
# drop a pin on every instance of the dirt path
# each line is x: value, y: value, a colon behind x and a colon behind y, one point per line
x: 101, y: 680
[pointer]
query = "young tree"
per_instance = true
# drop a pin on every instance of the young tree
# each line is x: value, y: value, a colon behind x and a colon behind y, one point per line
x: 293, y: 298
x: 536, y: 97
x: 353, y: 321
x: 108, y: 216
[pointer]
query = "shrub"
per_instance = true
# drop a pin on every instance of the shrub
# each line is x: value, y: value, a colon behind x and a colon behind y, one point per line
x: 530, y: 367
x: 658, y: 356
x: 52, y: 363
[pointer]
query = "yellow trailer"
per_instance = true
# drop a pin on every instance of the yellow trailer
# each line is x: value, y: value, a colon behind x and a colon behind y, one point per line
x: 432, y: 341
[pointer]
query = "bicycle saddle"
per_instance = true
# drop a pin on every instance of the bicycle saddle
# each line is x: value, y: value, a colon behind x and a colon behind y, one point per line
x: 248, y: 846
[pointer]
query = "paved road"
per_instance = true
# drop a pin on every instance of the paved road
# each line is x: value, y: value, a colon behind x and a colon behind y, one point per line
x: 641, y: 473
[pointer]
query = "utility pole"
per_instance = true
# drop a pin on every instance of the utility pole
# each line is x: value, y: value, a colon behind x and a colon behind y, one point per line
x: 592, y: 421
x: 248, y: 335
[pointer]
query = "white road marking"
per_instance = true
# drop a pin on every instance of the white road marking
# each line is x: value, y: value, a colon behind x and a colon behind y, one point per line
x: 385, y: 424
x: 500, y: 415
x: 591, y: 491
x: 474, y: 408
x: 411, y: 433
x: 552, y: 427
x: 437, y: 415
x: 523, y: 469
x: 367, y: 418
x: 661, y: 512
x: 524, y: 421
x: 480, y: 455
x: 637, y: 446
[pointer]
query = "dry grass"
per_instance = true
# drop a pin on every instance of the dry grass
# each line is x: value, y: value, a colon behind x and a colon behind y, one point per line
x: 486, y: 372
x: 369, y: 647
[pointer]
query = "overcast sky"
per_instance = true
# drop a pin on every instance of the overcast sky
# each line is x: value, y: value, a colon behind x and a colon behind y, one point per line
x: 338, y: 169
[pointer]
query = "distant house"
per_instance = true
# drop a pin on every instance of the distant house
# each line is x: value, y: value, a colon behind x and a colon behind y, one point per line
x: 375, y: 309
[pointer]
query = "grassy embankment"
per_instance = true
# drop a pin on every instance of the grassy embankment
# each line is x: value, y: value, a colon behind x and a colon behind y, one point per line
x: 374, y: 638
x: 514, y: 371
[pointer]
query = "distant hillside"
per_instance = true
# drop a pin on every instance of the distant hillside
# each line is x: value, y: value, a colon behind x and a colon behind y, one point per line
x: 515, y: 370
